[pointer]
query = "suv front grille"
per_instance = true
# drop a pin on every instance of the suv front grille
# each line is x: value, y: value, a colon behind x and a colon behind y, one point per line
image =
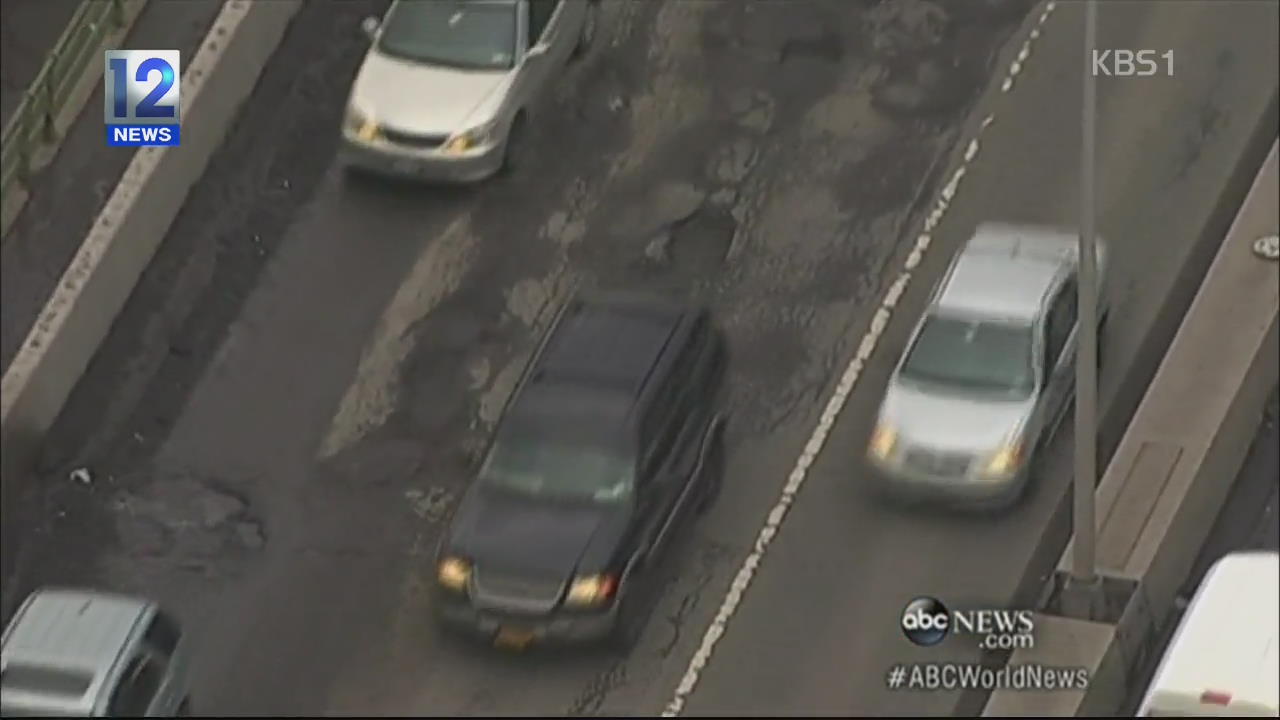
x: 947, y: 464
x: 413, y: 140
x: 516, y: 592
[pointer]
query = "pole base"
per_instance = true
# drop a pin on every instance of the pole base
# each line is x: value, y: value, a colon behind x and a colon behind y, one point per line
x: 1083, y: 599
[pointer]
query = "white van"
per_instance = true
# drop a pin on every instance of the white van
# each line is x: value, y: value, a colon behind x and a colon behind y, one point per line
x: 1222, y: 660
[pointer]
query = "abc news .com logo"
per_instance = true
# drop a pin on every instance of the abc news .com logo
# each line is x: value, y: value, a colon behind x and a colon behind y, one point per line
x: 926, y: 621
x: 141, y: 90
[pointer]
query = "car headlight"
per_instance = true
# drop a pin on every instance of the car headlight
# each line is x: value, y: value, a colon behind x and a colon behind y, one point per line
x: 453, y: 573
x: 884, y: 439
x: 591, y: 590
x: 361, y: 124
x: 1005, y: 460
x: 472, y: 138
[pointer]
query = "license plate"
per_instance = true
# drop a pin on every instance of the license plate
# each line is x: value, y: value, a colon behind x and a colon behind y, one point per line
x: 516, y: 638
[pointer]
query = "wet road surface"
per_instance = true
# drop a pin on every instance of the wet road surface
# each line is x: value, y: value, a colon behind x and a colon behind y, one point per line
x: 820, y: 625
x: 297, y: 393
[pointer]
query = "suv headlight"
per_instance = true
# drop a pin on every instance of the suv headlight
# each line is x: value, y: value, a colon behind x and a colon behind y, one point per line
x: 588, y: 590
x: 1005, y: 460
x: 884, y: 440
x: 453, y: 573
x: 472, y: 138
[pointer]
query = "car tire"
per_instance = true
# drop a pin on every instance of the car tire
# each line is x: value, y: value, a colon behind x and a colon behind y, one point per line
x: 713, y: 473
x: 627, y: 627
x: 1101, y: 345
x: 516, y: 149
x: 589, y: 26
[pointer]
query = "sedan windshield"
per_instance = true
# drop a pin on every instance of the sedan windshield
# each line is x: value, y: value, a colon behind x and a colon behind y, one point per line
x: 559, y: 470
x: 971, y: 356
x: 467, y: 34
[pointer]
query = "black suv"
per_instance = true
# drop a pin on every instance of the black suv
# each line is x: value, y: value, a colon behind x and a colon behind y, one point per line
x: 610, y: 440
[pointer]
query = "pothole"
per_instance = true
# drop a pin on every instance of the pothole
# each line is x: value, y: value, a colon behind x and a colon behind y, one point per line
x: 906, y: 26
x: 701, y: 244
x: 928, y: 86
x: 185, y: 517
x: 826, y: 48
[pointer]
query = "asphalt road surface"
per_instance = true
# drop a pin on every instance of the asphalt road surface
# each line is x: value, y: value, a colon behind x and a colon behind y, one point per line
x: 1249, y: 520
x: 298, y: 390
x: 67, y: 195
x: 844, y: 565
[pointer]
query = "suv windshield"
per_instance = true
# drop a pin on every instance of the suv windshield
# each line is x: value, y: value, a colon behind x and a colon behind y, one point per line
x: 973, y: 356
x: 559, y: 470
x: 467, y: 34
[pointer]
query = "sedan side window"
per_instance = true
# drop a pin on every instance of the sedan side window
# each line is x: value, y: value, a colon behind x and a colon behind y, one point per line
x: 162, y: 634
x: 137, y: 687
x: 540, y: 12
x: 1062, y: 320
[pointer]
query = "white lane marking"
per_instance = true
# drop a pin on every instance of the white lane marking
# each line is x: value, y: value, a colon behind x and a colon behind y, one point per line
x: 369, y: 400
x: 835, y: 405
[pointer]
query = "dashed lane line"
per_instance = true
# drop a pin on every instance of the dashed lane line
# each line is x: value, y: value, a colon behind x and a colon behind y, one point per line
x: 880, y: 321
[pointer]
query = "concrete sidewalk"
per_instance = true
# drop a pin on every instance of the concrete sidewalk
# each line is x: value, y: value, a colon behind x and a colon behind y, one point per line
x: 67, y: 195
x: 28, y: 31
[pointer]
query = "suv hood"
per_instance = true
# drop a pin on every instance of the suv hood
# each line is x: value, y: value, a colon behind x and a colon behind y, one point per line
x: 426, y: 99
x: 526, y: 535
x: 952, y: 422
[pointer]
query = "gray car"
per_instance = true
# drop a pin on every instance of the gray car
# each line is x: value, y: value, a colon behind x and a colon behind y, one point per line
x: 988, y: 372
x: 448, y: 86
x: 86, y: 653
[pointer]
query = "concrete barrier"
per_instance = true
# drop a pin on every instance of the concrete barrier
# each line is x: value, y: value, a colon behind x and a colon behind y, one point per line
x: 100, y: 278
x: 1174, y: 467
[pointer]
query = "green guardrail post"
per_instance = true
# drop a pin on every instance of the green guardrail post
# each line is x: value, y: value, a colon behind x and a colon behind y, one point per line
x: 48, y: 130
x: 23, y: 132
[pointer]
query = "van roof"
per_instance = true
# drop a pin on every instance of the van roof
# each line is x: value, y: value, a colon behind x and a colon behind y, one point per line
x: 1226, y: 643
x: 1006, y: 271
x: 63, y: 646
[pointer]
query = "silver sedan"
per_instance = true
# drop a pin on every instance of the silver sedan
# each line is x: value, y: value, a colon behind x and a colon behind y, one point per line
x: 447, y: 87
x: 988, y: 373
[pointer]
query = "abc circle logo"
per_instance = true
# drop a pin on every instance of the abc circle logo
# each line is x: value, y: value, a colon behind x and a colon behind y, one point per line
x: 925, y: 621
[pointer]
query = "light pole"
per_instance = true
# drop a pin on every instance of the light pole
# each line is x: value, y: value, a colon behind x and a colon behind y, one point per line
x: 1084, y: 576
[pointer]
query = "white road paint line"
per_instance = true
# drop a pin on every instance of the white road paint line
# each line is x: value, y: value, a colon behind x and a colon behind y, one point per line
x: 776, y: 516
x: 371, y: 398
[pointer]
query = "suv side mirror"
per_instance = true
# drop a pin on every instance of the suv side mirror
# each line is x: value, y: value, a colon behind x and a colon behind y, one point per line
x: 370, y: 26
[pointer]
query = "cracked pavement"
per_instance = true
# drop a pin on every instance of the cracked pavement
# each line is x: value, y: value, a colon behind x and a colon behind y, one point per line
x: 304, y: 378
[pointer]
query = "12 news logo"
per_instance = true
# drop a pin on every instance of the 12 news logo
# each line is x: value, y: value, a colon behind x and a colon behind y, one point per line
x: 141, y: 97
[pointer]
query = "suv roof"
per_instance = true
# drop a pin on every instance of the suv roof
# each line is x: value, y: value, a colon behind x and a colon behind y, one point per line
x: 64, y: 634
x: 596, y: 361
x: 611, y: 342
x: 1006, y: 271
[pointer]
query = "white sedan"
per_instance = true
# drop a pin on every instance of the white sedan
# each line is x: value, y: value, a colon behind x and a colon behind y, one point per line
x: 448, y: 86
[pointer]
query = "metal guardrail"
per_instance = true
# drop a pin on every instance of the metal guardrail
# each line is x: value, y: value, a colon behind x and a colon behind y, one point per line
x: 33, y: 125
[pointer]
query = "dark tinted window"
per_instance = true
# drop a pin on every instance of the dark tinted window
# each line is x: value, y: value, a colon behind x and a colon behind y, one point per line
x: 163, y: 634
x: 1061, y: 321
x: 137, y: 688
x: 561, y: 458
x: 45, y: 680
x: 456, y: 33
x: 540, y: 12
x: 972, y: 356
x: 676, y: 396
